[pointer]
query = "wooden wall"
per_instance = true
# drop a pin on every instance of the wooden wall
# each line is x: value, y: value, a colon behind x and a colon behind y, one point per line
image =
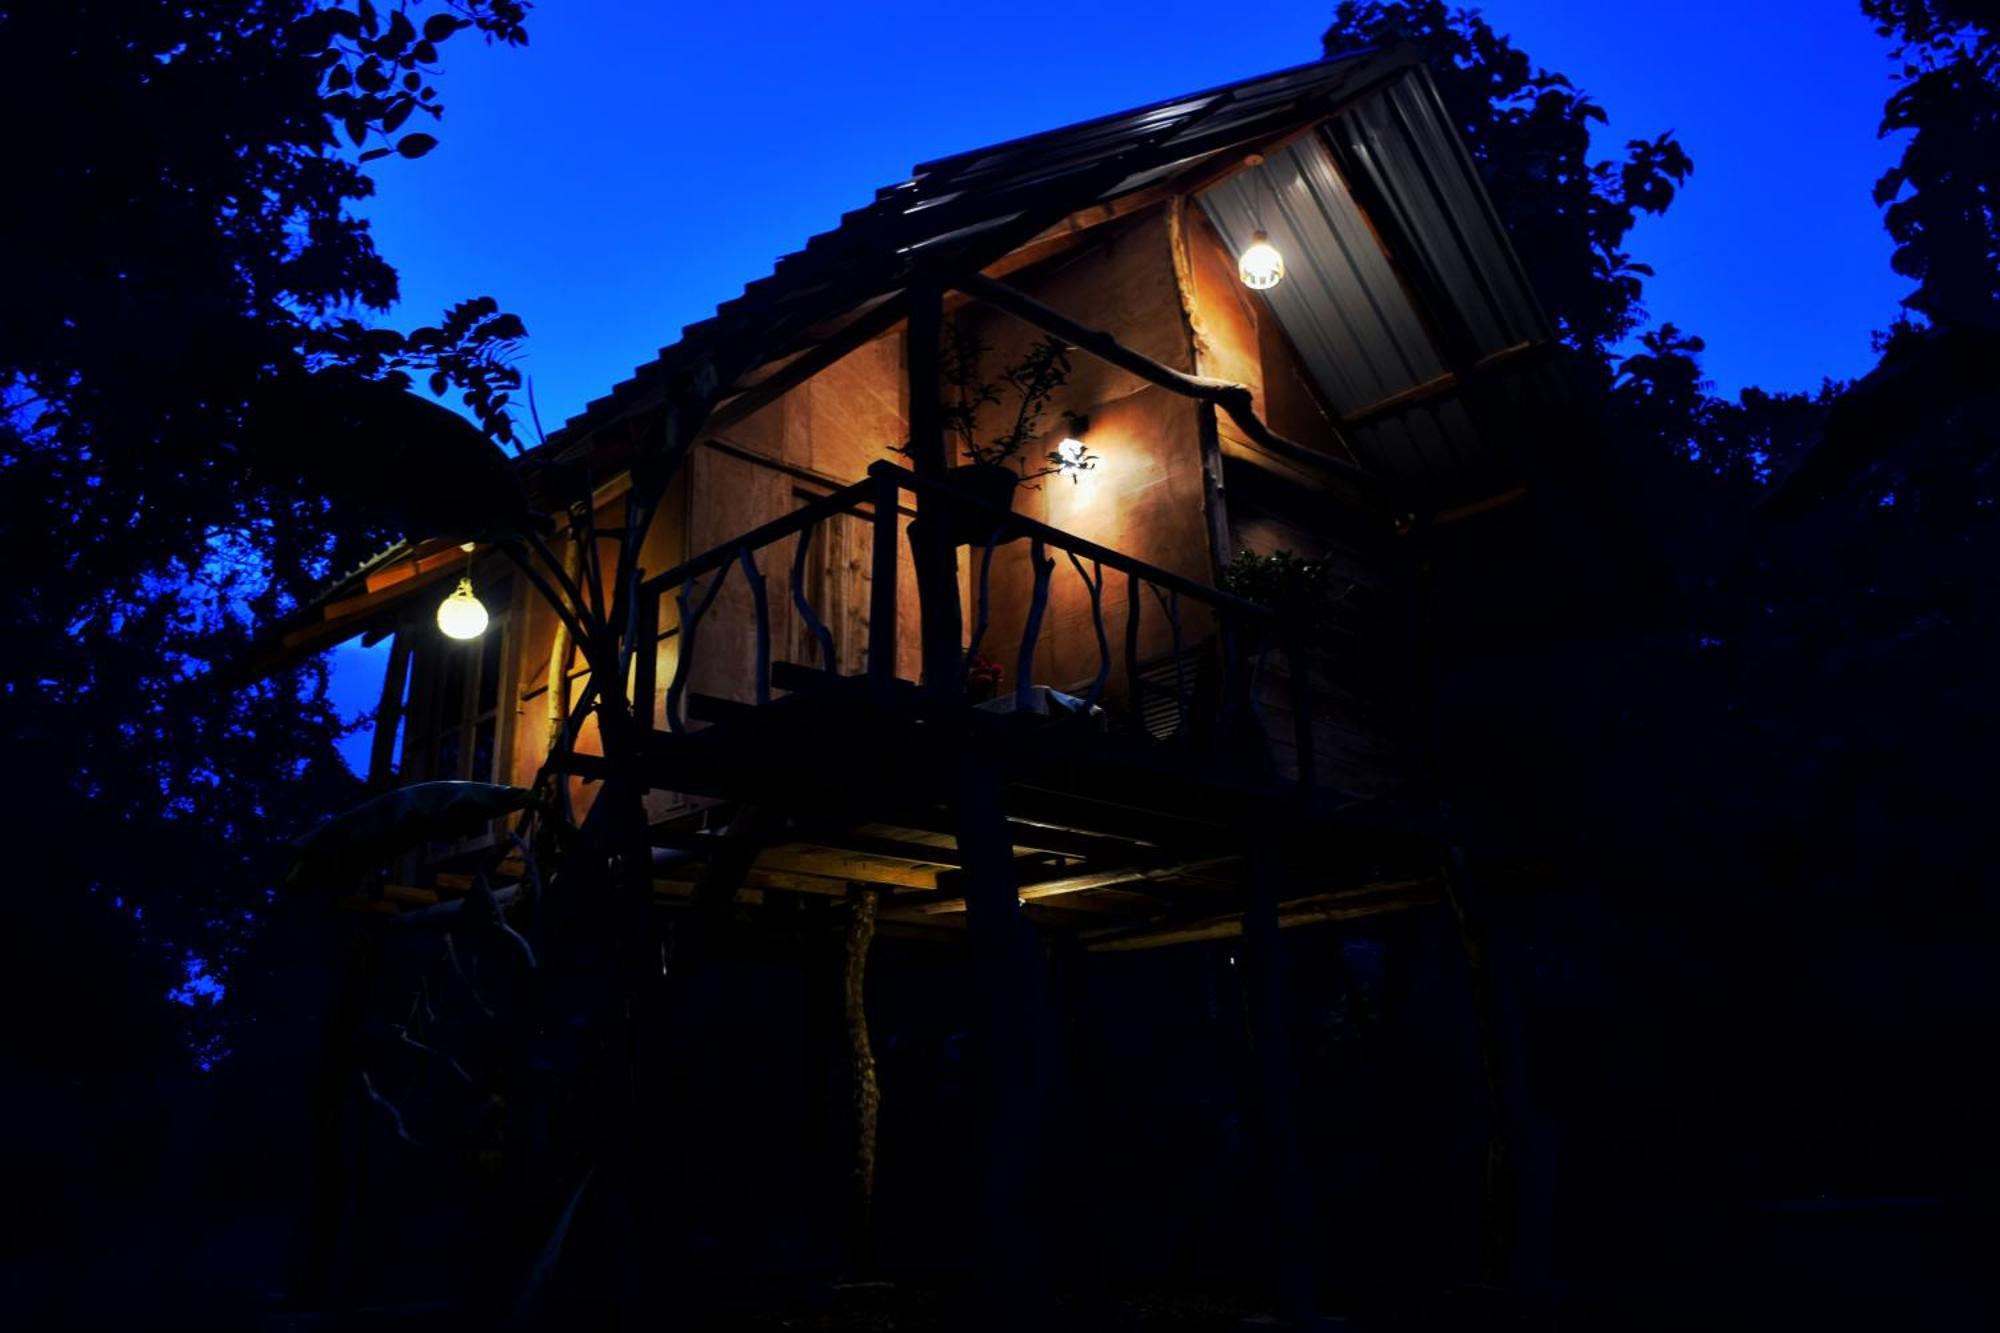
x: 1145, y: 496
x: 1359, y: 683
x: 1161, y: 282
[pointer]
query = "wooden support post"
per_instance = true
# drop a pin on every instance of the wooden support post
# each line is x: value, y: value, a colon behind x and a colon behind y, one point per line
x: 1010, y: 1284
x: 1289, y: 1209
x: 389, y: 714
x: 1214, y: 505
x: 930, y: 536
x: 866, y: 1092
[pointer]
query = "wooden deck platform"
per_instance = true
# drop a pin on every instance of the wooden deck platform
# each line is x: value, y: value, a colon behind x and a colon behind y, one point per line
x: 1125, y: 840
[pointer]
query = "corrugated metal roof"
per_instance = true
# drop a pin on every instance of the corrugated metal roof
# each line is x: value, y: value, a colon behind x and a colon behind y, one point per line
x: 1370, y: 325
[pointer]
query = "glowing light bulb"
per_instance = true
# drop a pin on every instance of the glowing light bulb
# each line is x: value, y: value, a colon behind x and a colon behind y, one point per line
x: 1072, y: 458
x: 1261, y: 266
x: 462, y: 615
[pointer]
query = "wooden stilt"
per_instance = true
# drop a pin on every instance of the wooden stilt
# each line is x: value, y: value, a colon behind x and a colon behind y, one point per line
x: 1289, y: 1207
x: 865, y: 1091
x: 1010, y: 1285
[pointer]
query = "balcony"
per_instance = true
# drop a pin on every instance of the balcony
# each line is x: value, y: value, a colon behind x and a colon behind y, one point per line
x: 1127, y: 767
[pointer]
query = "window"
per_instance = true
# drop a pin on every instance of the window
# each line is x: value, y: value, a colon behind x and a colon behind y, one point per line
x: 837, y: 579
x: 455, y: 727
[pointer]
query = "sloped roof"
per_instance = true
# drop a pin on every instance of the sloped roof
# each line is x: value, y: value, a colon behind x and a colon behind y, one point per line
x: 965, y: 212
x: 970, y: 209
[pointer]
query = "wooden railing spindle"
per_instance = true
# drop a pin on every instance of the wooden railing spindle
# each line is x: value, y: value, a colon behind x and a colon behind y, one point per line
x: 982, y: 609
x: 1096, y: 587
x: 1133, y: 685
x: 763, y: 606
x: 1024, y: 670
x: 691, y: 615
x: 828, y: 659
x: 645, y: 652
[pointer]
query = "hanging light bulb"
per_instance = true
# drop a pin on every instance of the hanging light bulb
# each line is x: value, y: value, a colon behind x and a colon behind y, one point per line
x: 1261, y: 266
x: 462, y: 615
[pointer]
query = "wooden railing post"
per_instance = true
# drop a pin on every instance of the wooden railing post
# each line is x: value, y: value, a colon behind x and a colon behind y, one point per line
x: 931, y: 542
x: 882, y: 588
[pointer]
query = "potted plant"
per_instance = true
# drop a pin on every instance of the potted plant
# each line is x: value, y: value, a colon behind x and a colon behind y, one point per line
x: 1300, y: 590
x: 993, y: 468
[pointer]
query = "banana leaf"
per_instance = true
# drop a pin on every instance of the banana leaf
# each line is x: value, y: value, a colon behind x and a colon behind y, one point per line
x: 355, y: 842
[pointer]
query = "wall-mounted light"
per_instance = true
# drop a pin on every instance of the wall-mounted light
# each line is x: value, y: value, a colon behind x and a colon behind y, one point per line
x: 462, y: 615
x: 1072, y: 457
x: 1260, y: 266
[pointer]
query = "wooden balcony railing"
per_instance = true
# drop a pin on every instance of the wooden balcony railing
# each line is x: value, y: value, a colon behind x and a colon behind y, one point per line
x: 1245, y: 634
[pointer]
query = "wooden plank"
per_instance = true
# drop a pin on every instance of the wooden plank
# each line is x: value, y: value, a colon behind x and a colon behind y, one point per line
x: 851, y: 867
x: 1438, y: 386
x: 1089, y: 881
x: 1374, y: 901
x: 807, y: 364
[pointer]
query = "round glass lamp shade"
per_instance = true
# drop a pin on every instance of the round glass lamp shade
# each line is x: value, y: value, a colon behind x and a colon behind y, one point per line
x: 461, y: 615
x: 1261, y: 266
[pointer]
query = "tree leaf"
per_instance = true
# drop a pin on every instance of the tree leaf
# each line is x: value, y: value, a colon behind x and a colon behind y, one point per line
x: 415, y: 145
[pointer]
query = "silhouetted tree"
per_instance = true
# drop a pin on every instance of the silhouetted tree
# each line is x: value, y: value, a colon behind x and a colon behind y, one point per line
x: 183, y: 233
x: 1529, y: 131
x: 1943, y: 197
x: 182, y: 238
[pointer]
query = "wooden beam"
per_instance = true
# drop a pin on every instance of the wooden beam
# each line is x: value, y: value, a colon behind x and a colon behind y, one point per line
x: 1235, y: 399
x: 807, y: 364
x: 389, y: 715
x: 851, y: 867
x: 1438, y: 386
x: 1478, y: 507
x: 1088, y: 881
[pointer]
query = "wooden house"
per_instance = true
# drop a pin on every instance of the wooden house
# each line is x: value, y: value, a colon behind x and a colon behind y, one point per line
x: 1162, y: 760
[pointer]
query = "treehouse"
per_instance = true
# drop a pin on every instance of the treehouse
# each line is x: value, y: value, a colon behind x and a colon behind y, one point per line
x: 1040, y: 544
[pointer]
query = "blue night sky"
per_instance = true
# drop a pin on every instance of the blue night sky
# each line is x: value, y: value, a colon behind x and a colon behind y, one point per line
x: 639, y: 162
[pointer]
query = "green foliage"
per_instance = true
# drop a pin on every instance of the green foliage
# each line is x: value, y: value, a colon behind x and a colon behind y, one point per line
x: 357, y: 841
x: 1033, y: 381
x: 1529, y: 132
x: 1942, y: 199
x: 1299, y: 589
x: 186, y: 203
